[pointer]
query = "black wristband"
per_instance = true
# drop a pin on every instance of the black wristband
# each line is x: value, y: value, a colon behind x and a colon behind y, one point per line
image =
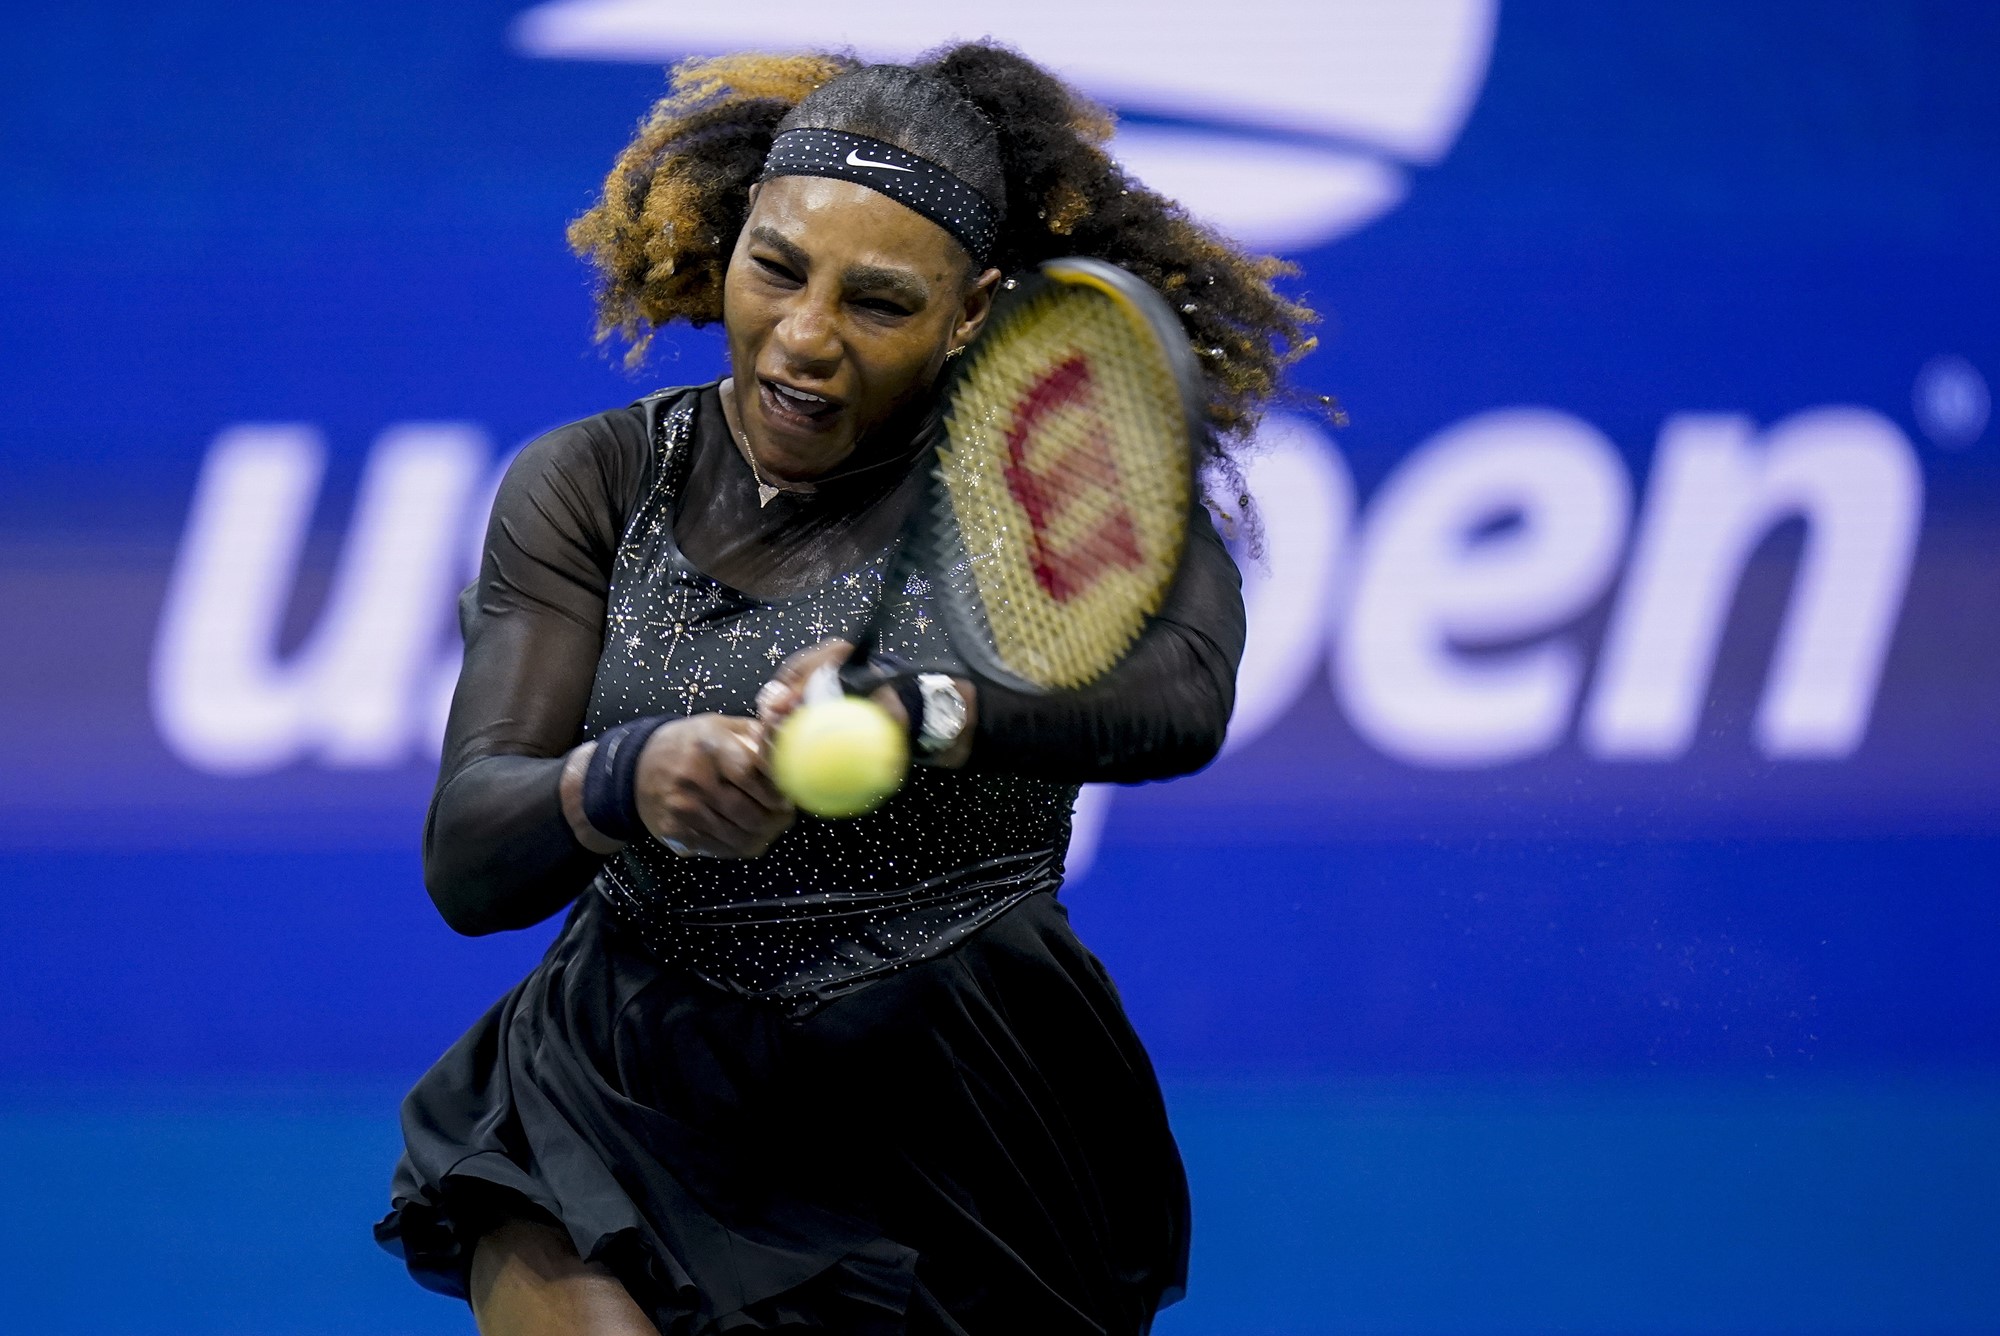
x: 907, y: 691
x: 610, y: 802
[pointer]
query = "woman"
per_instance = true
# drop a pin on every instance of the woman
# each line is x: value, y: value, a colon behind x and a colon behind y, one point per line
x: 775, y: 1071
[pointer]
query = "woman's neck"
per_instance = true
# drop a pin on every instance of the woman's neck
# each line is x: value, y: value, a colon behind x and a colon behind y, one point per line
x: 894, y: 441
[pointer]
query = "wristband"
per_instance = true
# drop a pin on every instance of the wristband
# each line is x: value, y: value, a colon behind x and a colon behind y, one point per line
x: 907, y: 691
x: 610, y: 800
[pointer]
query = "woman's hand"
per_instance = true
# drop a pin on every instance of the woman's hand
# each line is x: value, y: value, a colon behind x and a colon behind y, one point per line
x: 784, y: 692
x: 701, y: 785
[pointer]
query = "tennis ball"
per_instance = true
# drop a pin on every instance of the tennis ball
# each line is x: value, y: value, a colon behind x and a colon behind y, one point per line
x: 839, y: 757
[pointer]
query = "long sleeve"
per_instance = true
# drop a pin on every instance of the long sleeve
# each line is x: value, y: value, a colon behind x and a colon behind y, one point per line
x: 1162, y: 712
x: 498, y: 852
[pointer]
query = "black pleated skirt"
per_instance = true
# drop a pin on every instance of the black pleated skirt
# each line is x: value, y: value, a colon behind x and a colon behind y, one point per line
x: 973, y: 1144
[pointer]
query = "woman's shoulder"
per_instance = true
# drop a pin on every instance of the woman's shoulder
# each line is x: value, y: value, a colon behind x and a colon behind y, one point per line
x: 579, y: 483
x: 606, y: 455
x: 625, y: 431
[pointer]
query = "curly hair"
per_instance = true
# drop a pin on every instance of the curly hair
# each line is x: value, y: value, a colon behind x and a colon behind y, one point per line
x: 661, y: 235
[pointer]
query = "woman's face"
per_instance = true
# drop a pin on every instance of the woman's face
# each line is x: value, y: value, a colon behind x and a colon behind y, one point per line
x: 840, y: 305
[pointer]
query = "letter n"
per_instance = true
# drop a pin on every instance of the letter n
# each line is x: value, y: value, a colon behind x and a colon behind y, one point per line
x: 1716, y: 492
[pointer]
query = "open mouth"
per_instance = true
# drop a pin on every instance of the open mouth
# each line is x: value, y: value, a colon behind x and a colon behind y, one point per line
x: 788, y: 406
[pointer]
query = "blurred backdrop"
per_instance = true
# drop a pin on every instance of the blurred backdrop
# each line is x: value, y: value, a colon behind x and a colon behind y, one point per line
x: 1591, y: 927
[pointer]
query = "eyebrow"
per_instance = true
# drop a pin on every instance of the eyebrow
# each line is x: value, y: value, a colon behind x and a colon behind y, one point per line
x: 856, y: 277
x: 874, y: 278
x: 775, y: 239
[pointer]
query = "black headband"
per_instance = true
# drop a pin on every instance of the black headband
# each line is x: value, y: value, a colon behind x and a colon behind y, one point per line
x: 911, y: 181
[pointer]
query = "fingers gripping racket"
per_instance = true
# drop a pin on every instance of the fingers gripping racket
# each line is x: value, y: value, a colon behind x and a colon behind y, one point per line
x: 1053, y: 524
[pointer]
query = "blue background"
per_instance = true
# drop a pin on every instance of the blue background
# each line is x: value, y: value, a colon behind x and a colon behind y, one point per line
x: 1710, y: 1045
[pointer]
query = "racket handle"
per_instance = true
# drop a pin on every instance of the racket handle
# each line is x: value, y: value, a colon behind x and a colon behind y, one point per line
x: 866, y: 672
x: 860, y: 675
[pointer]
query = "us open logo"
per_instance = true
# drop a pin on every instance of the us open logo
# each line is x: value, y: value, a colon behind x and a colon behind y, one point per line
x: 1447, y: 615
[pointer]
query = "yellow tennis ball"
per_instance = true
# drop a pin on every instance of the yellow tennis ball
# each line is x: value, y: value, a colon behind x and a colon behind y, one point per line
x: 839, y: 757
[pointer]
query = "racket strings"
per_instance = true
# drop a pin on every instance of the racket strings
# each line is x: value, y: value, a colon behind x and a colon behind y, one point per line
x: 1067, y: 482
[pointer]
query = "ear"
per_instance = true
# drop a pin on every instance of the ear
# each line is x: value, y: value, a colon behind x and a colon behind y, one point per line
x: 977, y: 304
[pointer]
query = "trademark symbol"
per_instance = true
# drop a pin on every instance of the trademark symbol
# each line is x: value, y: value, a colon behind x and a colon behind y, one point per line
x: 1951, y: 402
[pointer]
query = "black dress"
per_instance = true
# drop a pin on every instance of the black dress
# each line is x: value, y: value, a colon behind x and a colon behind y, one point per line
x: 870, y: 1081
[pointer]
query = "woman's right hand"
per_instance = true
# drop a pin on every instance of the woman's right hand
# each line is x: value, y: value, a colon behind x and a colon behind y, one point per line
x: 702, y: 785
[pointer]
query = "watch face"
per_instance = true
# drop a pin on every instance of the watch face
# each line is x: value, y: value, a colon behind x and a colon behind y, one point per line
x: 944, y: 712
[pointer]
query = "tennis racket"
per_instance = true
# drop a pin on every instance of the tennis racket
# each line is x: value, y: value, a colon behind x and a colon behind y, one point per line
x: 1052, y: 525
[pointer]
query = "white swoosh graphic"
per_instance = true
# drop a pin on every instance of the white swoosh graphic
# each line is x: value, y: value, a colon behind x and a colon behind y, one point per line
x: 855, y: 160
x: 1385, y: 83
x: 1397, y: 75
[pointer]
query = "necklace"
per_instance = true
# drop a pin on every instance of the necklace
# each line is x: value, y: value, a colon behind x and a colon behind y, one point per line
x: 771, y: 491
x: 767, y: 492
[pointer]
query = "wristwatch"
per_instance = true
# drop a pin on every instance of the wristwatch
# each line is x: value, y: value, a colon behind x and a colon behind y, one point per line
x: 943, y: 717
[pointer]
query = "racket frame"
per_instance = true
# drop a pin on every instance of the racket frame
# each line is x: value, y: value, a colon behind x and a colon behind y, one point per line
x: 936, y: 538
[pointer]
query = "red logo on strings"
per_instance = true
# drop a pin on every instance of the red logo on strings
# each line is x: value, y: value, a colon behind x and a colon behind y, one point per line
x: 1048, y: 491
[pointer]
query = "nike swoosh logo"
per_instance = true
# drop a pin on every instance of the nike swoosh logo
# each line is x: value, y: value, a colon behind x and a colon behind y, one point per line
x: 854, y: 159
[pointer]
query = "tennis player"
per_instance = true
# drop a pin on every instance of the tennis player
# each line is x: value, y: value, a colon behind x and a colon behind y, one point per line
x: 778, y: 1072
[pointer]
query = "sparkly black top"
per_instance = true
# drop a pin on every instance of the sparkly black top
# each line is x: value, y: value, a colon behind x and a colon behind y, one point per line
x: 629, y: 570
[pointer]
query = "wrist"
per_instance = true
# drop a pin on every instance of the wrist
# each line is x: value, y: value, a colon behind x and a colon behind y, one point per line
x: 609, y: 798
x: 944, y: 714
x: 569, y: 787
x: 938, y: 712
x: 955, y: 756
x: 935, y: 710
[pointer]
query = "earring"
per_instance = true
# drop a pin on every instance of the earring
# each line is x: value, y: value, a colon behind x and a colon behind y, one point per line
x: 953, y: 352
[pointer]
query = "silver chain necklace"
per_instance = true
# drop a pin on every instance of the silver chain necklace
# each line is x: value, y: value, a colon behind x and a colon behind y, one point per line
x: 769, y: 491
x: 766, y: 492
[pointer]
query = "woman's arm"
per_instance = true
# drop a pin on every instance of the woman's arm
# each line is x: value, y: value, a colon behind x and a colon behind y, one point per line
x: 1162, y: 712
x: 499, y: 850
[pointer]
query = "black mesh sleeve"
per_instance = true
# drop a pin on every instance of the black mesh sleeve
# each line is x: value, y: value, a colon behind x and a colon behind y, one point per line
x: 1162, y: 712
x: 498, y: 852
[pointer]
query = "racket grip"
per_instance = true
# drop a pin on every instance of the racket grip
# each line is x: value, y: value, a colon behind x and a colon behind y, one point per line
x: 859, y: 676
x: 864, y: 673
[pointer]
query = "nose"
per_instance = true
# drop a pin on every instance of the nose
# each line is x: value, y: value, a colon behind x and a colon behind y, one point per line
x: 807, y: 336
